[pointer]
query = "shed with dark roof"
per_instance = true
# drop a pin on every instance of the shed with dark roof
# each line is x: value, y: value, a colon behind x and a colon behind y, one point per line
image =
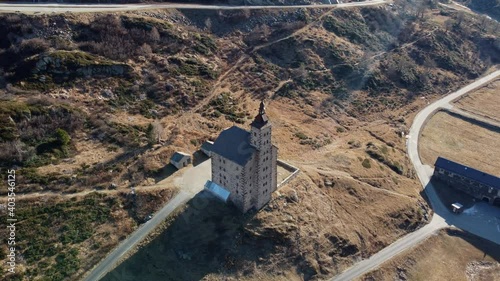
x: 180, y: 159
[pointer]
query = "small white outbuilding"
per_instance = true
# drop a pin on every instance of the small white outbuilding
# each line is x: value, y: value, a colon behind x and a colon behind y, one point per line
x: 180, y: 159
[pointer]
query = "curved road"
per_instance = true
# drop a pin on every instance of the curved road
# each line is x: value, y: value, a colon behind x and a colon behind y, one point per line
x: 76, y: 8
x: 442, y: 216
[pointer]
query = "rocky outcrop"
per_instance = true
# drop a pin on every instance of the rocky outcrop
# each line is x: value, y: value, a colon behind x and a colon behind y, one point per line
x: 64, y: 65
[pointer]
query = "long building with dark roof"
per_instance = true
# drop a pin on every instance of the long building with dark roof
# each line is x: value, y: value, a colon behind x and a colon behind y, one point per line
x: 478, y: 184
x: 245, y: 163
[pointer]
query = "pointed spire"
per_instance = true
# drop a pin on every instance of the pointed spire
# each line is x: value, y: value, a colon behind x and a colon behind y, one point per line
x: 262, y: 108
x: 261, y: 118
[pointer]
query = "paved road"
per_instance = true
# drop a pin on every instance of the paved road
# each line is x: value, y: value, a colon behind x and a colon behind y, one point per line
x: 486, y: 224
x: 76, y: 8
x: 392, y: 250
x: 190, y: 183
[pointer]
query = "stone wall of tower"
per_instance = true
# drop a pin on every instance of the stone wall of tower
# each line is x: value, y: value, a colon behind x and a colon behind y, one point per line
x: 258, y: 136
x: 264, y: 174
x: 274, y: 168
x: 247, y: 185
x: 233, y: 178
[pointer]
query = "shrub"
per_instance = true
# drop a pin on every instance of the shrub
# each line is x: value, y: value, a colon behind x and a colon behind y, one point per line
x: 384, y: 149
x: 33, y: 46
x: 62, y: 137
x: 366, y: 163
x: 301, y: 135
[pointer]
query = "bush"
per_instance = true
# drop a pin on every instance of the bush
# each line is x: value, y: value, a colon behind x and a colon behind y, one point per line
x: 366, y: 163
x: 33, y: 46
x: 301, y: 135
x: 62, y: 137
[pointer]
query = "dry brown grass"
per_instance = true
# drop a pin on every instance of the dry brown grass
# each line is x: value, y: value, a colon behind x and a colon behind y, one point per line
x: 88, y: 152
x: 450, y: 255
x: 484, y: 101
x: 460, y: 141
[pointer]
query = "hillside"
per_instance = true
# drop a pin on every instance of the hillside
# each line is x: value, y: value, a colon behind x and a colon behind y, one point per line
x: 467, y: 257
x: 101, y: 101
x: 489, y: 7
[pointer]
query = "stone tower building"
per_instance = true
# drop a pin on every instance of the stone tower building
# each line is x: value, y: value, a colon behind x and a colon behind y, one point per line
x: 244, y: 163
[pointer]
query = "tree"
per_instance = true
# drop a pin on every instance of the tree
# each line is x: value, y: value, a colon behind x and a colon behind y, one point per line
x: 448, y: 24
x: 483, y: 23
x: 33, y: 46
x: 247, y: 13
x: 154, y: 35
x: 460, y: 19
x: 145, y: 50
x: 154, y: 132
x: 429, y: 63
x: 62, y: 137
x: 421, y: 9
x: 208, y: 24
x: 265, y: 31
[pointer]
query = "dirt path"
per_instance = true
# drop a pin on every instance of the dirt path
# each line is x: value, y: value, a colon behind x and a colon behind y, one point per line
x: 83, y: 193
x: 243, y: 59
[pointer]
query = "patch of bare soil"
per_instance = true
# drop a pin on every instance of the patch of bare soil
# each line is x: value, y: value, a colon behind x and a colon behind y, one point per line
x: 484, y: 101
x: 450, y: 255
x: 88, y: 152
x: 460, y: 141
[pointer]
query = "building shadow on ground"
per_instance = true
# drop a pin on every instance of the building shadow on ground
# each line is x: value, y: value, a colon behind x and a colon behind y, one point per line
x: 478, y: 218
x: 206, y: 236
x: 199, y: 157
x: 488, y: 248
x: 164, y: 172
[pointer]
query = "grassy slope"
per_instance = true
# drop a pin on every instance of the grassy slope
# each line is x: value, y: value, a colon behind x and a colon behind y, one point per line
x: 450, y: 255
x: 326, y: 83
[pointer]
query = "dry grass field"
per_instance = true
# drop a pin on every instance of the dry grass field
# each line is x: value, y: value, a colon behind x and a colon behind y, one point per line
x: 461, y: 141
x: 450, y: 255
x: 484, y: 101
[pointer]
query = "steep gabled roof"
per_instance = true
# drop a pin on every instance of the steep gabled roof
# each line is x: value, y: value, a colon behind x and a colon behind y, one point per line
x: 178, y: 156
x: 234, y: 145
x: 261, y: 119
x: 207, y: 145
x: 468, y: 172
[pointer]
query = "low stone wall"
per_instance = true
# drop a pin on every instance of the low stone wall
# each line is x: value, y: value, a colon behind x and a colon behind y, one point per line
x: 468, y: 117
x: 294, y: 170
